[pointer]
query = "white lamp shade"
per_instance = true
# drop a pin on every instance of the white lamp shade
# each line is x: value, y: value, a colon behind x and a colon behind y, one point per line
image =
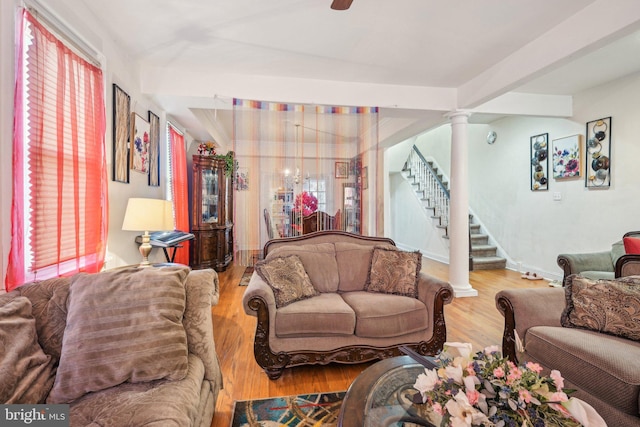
x: 148, y: 215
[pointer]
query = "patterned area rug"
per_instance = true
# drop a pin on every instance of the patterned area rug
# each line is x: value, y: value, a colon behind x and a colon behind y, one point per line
x: 318, y: 410
x: 246, y: 276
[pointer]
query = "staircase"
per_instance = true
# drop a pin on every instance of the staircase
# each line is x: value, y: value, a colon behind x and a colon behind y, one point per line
x: 433, y: 192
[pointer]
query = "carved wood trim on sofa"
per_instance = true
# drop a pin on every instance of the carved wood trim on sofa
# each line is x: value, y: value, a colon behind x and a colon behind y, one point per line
x: 508, y: 335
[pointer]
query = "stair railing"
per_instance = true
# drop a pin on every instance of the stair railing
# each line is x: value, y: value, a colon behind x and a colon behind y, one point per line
x: 434, y: 192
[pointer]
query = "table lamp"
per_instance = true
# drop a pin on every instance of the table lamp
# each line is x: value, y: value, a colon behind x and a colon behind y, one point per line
x: 145, y: 215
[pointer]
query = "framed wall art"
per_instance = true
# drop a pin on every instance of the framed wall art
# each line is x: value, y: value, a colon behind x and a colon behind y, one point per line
x: 365, y: 177
x: 242, y: 179
x: 566, y: 158
x: 342, y: 169
x: 154, y: 150
x: 598, y: 158
x: 139, y: 144
x: 121, y: 117
x: 539, y: 149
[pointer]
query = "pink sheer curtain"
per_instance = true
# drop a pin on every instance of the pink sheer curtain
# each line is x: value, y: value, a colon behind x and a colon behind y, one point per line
x: 66, y: 184
x: 291, y: 152
x: 180, y: 190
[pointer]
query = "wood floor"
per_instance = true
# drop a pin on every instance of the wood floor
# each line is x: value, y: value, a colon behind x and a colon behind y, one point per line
x: 474, y: 320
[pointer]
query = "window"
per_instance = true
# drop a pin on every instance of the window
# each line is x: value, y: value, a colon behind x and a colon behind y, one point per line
x: 59, y: 209
x: 318, y: 188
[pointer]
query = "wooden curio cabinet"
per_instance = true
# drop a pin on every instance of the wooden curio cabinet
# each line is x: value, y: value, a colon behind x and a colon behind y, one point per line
x: 211, y: 214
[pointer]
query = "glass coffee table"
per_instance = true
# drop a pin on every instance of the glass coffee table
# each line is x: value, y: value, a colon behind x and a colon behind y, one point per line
x: 382, y: 396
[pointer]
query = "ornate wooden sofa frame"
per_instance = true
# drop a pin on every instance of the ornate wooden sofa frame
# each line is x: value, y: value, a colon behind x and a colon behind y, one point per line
x: 433, y: 292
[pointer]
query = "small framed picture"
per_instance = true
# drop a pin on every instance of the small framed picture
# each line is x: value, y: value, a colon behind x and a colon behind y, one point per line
x: 539, y: 162
x: 567, y: 157
x: 121, y: 117
x: 154, y: 150
x: 342, y: 169
x: 365, y: 177
x: 139, y: 144
x: 598, y: 157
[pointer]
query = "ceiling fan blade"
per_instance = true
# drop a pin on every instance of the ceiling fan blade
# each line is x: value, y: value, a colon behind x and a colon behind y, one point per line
x: 341, y: 4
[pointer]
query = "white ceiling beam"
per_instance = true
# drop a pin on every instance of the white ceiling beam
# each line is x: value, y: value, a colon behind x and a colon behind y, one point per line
x: 177, y: 81
x: 589, y: 29
x: 528, y: 104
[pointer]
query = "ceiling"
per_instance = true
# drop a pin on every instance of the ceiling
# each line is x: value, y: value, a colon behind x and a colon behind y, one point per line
x: 415, y: 59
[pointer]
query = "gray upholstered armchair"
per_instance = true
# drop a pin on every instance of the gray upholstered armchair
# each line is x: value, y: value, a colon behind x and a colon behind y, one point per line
x: 602, y: 265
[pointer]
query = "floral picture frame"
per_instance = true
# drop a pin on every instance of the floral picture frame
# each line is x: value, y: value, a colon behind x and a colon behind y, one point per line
x: 598, y: 154
x: 139, y: 144
x: 120, y: 123
x: 539, y: 150
x: 567, y: 157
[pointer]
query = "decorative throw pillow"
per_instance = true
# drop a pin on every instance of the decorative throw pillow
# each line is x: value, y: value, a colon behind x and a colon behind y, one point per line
x: 25, y: 372
x: 319, y: 261
x: 122, y: 326
x: 394, y: 272
x: 354, y: 264
x: 610, y: 306
x: 631, y: 245
x: 288, y: 279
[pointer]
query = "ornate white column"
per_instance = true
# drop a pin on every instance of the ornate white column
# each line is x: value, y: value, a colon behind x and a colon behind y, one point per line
x: 459, y: 207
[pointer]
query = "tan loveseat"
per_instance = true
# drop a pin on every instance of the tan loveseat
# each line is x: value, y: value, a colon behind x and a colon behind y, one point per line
x: 126, y: 347
x: 343, y: 322
x: 604, y: 368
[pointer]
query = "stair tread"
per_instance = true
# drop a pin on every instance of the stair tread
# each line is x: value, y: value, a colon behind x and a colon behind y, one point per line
x: 487, y: 259
x: 483, y: 247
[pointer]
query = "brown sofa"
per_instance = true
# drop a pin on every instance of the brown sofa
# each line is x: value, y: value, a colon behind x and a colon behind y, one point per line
x: 603, y: 368
x: 343, y: 323
x: 125, y: 347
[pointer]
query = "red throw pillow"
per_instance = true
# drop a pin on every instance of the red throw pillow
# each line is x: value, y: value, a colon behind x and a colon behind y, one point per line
x: 631, y: 245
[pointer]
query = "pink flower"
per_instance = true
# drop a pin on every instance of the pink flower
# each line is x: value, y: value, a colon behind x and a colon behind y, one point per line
x: 438, y: 409
x: 525, y: 396
x: 498, y: 372
x: 514, y: 375
x: 535, y: 367
x: 473, y: 396
x: 557, y: 379
x: 306, y: 203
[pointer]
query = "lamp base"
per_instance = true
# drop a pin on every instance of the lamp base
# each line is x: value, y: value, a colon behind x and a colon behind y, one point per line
x: 145, y: 250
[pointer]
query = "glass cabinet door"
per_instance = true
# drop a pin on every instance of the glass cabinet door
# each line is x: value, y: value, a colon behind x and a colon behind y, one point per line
x: 210, y: 199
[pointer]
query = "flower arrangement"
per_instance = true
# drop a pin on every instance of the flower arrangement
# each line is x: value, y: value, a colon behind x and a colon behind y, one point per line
x: 306, y: 203
x: 487, y: 389
x: 207, y: 149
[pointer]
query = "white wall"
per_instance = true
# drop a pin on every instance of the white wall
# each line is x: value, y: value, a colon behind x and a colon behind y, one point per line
x: 411, y: 225
x: 530, y: 226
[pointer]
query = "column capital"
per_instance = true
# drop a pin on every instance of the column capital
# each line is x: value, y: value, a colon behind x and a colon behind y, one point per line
x: 456, y: 116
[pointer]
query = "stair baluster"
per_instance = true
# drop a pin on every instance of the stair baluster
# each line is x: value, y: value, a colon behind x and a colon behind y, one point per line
x: 434, y: 194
